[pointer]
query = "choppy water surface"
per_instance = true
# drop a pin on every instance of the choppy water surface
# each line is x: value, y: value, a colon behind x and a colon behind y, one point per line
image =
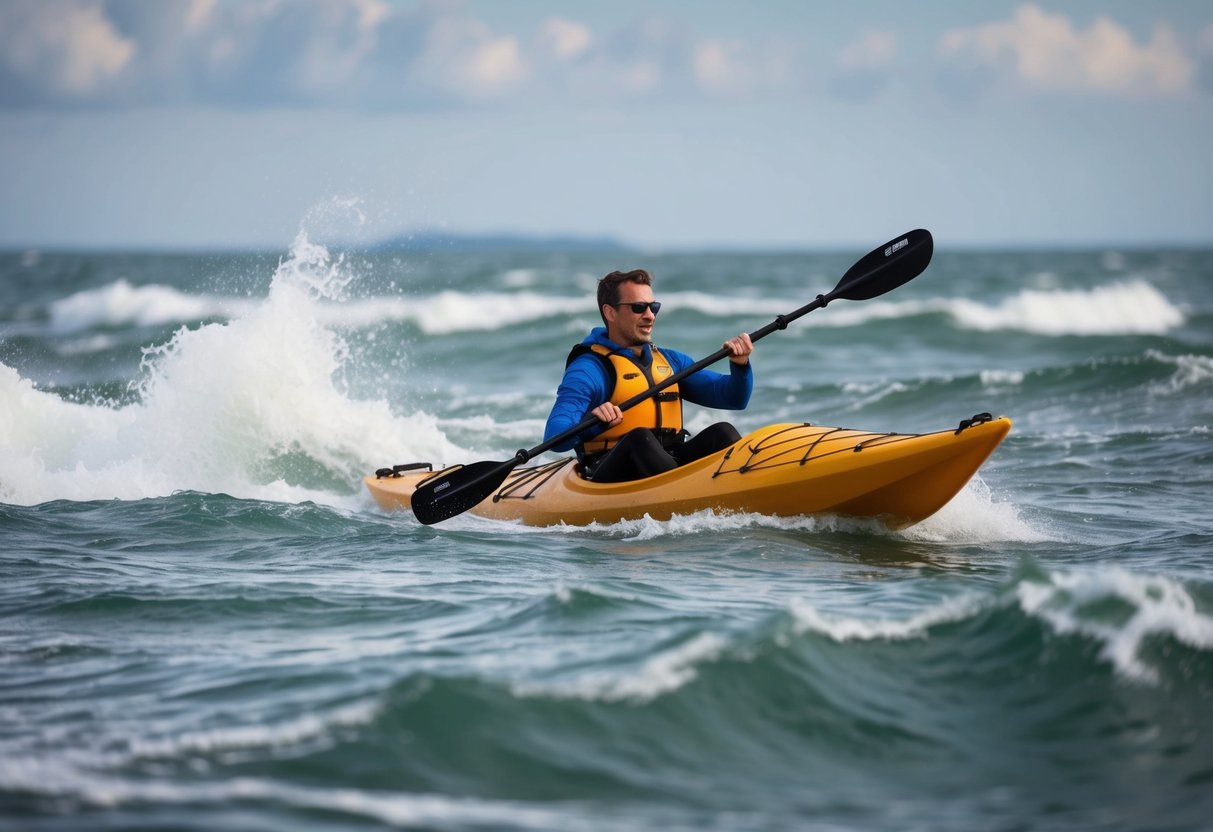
x: 205, y: 623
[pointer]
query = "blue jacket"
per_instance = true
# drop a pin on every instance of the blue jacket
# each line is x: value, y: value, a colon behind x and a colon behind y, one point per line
x: 585, y: 381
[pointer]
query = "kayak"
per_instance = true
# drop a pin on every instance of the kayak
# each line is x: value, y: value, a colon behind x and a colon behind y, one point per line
x: 784, y: 470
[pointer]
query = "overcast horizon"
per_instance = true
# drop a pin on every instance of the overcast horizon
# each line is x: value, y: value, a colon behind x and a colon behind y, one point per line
x: 216, y: 125
x: 362, y: 245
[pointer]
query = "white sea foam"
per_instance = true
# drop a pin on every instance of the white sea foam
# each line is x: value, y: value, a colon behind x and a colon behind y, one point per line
x: 121, y: 304
x: 1153, y: 605
x: 1122, y: 308
x: 708, y: 521
x: 1131, y: 307
x: 1190, y: 371
x: 52, y: 778
x: 849, y: 628
x: 518, y: 278
x: 87, y: 345
x: 448, y: 312
x: 718, y: 305
x: 218, y: 406
x: 975, y: 516
x: 1002, y: 378
x: 243, y: 737
x: 662, y: 673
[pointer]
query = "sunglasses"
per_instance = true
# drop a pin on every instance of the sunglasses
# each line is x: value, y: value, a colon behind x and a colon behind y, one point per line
x: 640, y: 306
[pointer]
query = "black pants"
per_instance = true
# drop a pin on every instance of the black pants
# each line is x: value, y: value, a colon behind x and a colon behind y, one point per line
x: 640, y: 454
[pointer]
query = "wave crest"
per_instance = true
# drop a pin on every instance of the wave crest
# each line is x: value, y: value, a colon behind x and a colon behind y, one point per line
x: 254, y: 407
x: 121, y: 304
x: 1120, y: 610
x: 1129, y: 308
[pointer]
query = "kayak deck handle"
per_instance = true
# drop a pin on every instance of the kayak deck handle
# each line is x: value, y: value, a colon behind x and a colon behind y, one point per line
x: 978, y: 419
x: 396, y: 470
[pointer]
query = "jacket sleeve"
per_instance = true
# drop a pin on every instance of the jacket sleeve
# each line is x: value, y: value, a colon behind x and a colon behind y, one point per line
x: 581, y: 390
x: 712, y: 389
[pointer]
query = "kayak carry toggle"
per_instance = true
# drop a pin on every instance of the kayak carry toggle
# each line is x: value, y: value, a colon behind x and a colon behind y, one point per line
x: 978, y: 419
x: 396, y: 470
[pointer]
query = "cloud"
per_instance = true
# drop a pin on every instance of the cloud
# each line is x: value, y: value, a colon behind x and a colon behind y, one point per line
x: 875, y: 49
x: 645, y: 59
x: 1046, y: 53
x: 865, y: 65
x: 68, y: 47
x: 719, y: 65
x: 355, y: 54
x: 464, y: 58
x: 739, y: 68
x: 565, y: 39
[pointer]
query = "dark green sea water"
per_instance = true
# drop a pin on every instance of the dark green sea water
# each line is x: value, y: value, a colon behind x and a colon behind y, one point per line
x: 206, y: 624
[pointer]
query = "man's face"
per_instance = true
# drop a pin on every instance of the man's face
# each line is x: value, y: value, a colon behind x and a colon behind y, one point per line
x: 625, y: 327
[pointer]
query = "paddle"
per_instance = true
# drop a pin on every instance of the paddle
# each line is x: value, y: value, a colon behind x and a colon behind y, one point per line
x: 458, y: 488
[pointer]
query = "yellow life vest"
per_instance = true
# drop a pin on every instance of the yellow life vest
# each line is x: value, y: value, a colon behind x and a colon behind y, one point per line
x: 662, y: 412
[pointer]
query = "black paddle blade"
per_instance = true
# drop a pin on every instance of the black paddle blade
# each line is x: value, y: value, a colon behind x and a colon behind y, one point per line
x: 898, y: 261
x: 457, y: 489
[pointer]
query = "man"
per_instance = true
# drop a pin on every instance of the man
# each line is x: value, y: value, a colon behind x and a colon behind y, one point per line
x: 618, y: 361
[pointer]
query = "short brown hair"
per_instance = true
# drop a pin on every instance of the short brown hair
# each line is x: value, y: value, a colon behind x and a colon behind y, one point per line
x: 608, y: 287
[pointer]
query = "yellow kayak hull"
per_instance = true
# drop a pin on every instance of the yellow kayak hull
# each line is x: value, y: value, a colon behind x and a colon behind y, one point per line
x: 783, y: 470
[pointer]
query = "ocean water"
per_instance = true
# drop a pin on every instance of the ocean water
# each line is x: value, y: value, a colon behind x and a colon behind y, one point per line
x: 205, y: 623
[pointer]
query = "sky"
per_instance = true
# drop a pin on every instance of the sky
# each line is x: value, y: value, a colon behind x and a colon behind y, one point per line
x: 203, y: 124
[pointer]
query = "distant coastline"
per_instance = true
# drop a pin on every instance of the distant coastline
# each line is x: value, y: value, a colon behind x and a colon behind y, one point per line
x: 448, y: 241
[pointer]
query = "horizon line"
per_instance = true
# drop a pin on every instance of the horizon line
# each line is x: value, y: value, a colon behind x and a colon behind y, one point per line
x: 429, y: 242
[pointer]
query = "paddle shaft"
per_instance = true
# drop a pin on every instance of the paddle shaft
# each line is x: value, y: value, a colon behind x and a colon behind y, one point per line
x: 455, y: 490
x: 779, y: 323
